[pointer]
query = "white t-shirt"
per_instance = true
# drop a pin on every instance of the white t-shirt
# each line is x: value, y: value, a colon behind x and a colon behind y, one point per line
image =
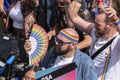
x: 113, y: 72
x: 60, y: 60
x: 16, y: 15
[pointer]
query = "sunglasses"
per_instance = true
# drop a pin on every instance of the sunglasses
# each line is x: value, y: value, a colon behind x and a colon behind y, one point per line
x: 60, y: 42
x: 62, y: 3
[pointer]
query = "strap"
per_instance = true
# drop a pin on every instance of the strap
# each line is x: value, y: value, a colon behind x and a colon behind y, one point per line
x: 106, y: 64
x: 102, y: 48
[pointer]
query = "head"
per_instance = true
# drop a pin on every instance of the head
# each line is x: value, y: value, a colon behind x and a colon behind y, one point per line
x: 61, y: 6
x: 29, y: 75
x: 66, y: 41
x: 103, y: 24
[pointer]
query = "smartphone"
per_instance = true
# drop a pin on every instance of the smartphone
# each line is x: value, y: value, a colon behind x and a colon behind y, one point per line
x: 106, y: 3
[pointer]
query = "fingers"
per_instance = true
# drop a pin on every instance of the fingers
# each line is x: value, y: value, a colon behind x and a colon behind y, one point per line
x: 2, y: 12
x: 27, y: 45
x: 49, y: 35
x: 111, y: 12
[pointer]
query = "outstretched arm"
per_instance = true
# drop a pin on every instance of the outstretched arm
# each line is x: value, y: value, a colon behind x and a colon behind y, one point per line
x: 76, y: 19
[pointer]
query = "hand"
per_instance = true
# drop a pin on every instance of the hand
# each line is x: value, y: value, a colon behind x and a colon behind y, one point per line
x: 27, y: 45
x: 72, y: 9
x: 2, y: 13
x: 50, y: 34
x: 110, y: 12
x: 53, y: 32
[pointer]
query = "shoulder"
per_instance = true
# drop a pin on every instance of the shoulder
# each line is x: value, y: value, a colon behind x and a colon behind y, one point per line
x: 85, y: 66
x: 82, y: 58
x: 116, y: 42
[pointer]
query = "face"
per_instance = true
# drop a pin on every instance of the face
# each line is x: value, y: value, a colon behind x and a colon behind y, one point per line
x: 62, y: 45
x: 60, y: 4
x: 101, y: 27
x: 30, y: 75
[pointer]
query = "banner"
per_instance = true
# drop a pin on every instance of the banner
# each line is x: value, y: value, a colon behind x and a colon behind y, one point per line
x: 64, y: 72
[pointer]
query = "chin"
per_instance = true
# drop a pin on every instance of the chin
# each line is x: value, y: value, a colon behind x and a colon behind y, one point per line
x: 99, y: 34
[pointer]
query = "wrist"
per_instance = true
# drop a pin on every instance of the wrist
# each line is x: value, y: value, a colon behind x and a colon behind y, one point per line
x: 116, y: 20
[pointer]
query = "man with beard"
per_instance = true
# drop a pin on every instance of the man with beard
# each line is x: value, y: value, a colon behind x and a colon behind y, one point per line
x: 62, y: 22
x: 65, y: 52
x: 103, y: 30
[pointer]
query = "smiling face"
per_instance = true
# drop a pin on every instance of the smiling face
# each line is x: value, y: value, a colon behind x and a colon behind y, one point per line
x: 101, y: 26
x: 61, y: 4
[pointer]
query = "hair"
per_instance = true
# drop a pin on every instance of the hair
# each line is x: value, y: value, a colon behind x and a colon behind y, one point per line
x: 107, y: 19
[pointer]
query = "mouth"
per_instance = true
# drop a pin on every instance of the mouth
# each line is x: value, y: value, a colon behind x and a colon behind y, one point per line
x: 97, y: 29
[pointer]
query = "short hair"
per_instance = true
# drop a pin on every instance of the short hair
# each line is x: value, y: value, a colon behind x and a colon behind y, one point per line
x: 107, y: 19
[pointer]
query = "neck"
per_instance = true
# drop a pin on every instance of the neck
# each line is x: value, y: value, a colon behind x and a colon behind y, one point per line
x: 110, y: 34
x: 70, y: 54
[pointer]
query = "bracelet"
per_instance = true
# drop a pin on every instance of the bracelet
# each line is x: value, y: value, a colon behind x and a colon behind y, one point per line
x: 116, y: 21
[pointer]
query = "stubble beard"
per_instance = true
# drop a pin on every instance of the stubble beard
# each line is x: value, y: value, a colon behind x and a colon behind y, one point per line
x: 102, y: 33
x: 59, y: 52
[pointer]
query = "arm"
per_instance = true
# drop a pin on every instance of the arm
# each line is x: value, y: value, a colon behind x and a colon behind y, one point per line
x: 89, y: 70
x: 85, y: 43
x: 2, y: 12
x: 74, y: 17
x: 2, y: 3
x: 54, y: 31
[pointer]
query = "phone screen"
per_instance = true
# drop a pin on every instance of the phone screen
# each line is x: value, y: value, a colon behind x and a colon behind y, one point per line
x: 106, y: 3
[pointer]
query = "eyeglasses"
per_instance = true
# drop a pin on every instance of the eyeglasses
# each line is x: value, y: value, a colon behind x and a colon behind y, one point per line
x: 62, y: 3
x: 60, y: 42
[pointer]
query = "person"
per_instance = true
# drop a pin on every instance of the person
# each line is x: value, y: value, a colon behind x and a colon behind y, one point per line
x: 46, y: 14
x: 65, y: 52
x: 63, y: 22
x: 20, y: 18
x: 29, y: 75
x: 113, y: 3
x: 101, y: 32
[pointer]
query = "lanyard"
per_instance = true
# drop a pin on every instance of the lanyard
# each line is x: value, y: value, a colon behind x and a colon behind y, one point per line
x: 106, y: 64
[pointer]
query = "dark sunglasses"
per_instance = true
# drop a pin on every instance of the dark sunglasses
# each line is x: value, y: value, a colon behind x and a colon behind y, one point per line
x: 63, y: 3
x: 60, y: 42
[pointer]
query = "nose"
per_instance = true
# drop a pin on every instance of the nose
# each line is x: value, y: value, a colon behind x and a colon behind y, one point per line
x: 56, y: 43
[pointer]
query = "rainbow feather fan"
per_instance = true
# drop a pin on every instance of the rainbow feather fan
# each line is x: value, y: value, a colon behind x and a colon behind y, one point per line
x: 39, y: 44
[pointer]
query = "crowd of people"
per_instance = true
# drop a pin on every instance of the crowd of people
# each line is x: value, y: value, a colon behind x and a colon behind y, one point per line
x: 76, y: 29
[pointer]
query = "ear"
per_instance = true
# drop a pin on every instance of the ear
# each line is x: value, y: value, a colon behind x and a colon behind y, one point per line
x: 73, y: 45
x: 111, y: 25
